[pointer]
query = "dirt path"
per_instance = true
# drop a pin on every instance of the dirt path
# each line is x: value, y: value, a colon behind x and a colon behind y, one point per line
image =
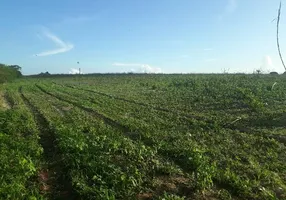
x: 53, y: 182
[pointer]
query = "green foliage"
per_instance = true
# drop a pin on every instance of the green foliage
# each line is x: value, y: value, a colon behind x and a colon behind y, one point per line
x: 157, y: 136
x: 9, y: 72
x: 167, y: 196
x: 20, y: 153
x: 250, y: 100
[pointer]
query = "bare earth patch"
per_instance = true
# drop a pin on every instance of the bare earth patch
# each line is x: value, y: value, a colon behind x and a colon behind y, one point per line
x: 67, y: 108
x: 144, y: 196
x: 176, y: 184
x: 58, y: 110
x: 43, y: 178
x: 4, y: 103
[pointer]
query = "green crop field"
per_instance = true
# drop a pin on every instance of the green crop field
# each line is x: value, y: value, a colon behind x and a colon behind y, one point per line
x: 134, y: 136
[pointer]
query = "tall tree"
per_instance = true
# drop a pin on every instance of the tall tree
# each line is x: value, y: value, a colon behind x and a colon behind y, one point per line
x: 17, y: 67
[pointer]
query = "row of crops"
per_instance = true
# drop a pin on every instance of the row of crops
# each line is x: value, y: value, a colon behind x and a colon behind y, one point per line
x: 144, y: 137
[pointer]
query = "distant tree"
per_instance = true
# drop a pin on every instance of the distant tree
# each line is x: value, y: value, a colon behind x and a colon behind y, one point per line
x: 274, y: 73
x: 44, y: 74
x: 9, y: 72
x: 17, y: 67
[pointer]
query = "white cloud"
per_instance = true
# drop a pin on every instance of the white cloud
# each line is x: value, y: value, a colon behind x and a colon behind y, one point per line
x: 150, y: 69
x: 62, y: 46
x: 141, y: 68
x: 269, y: 61
x: 267, y: 64
x: 75, y: 71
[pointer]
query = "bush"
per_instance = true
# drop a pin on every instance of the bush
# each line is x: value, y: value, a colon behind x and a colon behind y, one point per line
x: 9, y: 72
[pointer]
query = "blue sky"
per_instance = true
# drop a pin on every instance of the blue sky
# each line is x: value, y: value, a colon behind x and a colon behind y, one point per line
x: 170, y: 36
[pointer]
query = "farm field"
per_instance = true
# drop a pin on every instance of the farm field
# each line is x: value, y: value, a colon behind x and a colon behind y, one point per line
x: 145, y: 136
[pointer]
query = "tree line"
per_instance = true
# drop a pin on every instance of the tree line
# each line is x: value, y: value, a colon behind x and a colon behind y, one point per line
x: 9, y: 72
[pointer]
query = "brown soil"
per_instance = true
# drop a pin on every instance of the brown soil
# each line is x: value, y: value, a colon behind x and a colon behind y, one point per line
x: 144, y: 196
x: 3, y: 102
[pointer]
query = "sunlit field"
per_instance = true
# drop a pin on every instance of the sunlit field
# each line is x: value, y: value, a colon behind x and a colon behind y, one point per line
x: 143, y: 137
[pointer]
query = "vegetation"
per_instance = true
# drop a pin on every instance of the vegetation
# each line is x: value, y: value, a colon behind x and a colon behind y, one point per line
x: 9, y: 72
x: 144, y: 137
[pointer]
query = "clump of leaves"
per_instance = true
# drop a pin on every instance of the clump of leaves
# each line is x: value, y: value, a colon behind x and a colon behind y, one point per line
x: 250, y: 100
